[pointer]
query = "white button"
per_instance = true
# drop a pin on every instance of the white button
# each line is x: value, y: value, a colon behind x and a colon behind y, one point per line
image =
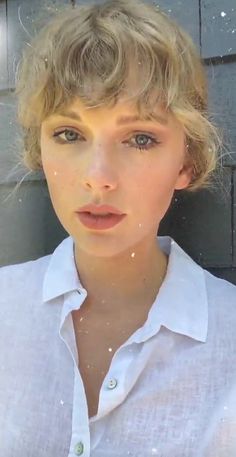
x: 79, y: 448
x: 112, y: 383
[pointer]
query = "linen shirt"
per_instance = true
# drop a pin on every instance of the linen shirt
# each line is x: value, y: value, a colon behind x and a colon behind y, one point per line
x: 170, y: 390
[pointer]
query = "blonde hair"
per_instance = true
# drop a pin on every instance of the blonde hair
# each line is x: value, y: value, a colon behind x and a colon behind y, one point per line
x: 119, y: 48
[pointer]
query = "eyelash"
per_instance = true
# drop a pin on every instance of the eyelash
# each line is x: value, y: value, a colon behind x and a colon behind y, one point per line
x: 141, y: 148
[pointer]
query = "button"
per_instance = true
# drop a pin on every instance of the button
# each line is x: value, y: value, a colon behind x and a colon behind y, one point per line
x: 79, y: 448
x: 112, y: 383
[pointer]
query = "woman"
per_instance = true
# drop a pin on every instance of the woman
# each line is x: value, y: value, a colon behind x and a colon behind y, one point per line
x: 120, y: 344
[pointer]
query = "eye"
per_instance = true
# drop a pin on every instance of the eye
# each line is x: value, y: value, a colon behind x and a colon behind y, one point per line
x: 71, y: 136
x: 142, y: 140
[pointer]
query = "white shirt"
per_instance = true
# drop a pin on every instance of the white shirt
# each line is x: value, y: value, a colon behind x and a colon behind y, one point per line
x: 171, y: 387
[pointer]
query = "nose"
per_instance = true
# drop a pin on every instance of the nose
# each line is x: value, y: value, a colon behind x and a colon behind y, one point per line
x: 100, y: 171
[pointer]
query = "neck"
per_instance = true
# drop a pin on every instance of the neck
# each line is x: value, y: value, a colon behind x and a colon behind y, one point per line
x: 122, y: 281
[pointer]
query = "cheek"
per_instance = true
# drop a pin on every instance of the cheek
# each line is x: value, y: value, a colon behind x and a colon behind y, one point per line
x: 58, y: 176
x: 159, y: 188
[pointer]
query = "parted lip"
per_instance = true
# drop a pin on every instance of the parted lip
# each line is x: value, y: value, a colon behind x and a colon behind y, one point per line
x: 99, y: 209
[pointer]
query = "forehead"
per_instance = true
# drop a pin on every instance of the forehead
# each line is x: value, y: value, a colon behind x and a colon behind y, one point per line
x: 123, y: 112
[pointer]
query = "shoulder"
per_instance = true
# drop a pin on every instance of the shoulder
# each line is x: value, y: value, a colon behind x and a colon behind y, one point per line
x: 22, y: 276
x: 219, y: 290
x: 221, y: 297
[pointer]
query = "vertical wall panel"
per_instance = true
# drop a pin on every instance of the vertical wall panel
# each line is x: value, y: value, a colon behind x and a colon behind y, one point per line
x: 218, y: 28
x: 3, y: 47
x: 222, y: 103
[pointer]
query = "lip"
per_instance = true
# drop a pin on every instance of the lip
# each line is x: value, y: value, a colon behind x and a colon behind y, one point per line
x: 98, y: 222
x: 99, y: 209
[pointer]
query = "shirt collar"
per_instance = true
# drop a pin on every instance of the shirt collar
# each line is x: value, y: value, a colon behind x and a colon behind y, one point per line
x: 181, y: 304
x: 61, y: 275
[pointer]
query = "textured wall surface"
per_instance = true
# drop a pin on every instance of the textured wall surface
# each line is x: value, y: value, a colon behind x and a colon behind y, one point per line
x: 202, y: 223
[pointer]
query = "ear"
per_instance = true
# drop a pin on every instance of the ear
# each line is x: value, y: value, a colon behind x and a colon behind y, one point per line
x: 185, y: 176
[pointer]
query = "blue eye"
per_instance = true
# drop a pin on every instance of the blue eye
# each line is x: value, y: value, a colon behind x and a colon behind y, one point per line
x: 144, y: 141
x: 71, y: 136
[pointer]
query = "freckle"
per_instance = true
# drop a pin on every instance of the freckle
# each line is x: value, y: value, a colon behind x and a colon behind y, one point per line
x: 133, y: 254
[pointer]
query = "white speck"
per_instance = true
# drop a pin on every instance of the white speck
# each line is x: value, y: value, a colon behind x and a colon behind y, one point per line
x: 154, y: 451
x: 230, y: 49
x: 140, y: 225
x: 108, y: 323
x: 223, y: 14
x: 233, y: 31
x: 169, y: 11
x: 19, y: 200
x: 110, y: 349
x: 133, y: 254
x: 176, y: 199
x: 225, y: 408
x: 88, y: 366
x: 62, y: 402
x: 213, y: 17
x: 81, y: 319
x: 55, y: 173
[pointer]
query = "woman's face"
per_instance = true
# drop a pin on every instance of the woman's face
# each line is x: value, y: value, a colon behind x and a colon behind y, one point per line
x: 96, y: 159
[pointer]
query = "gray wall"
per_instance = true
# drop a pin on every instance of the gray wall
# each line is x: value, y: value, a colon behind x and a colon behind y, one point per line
x: 202, y: 223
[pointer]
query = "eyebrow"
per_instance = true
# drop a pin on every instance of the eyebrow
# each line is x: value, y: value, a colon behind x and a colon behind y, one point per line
x: 121, y: 120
